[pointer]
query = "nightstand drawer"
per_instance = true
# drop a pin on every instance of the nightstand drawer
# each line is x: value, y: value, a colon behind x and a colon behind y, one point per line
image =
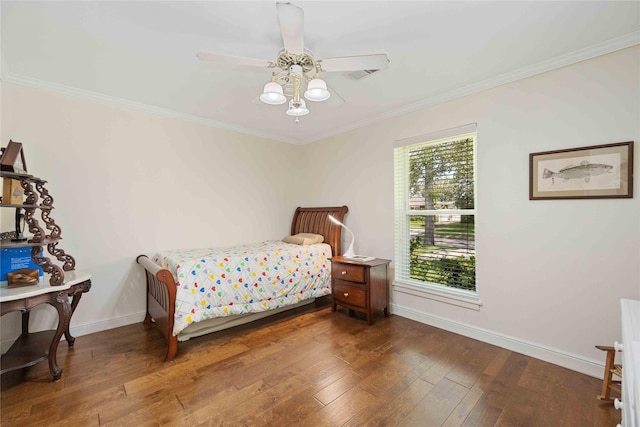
x: 350, y: 294
x: 352, y: 273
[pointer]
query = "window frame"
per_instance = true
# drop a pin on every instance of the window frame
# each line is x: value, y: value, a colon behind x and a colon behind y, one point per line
x: 403, y: 213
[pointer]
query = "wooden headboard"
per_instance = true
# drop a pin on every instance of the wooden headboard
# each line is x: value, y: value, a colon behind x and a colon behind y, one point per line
x: 316, y: 220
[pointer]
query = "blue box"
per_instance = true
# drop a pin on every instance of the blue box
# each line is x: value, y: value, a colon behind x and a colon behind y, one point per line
x: 16, y: 258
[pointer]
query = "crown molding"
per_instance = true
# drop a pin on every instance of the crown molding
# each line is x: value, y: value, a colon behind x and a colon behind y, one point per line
x: 580, y: 55
x: 9, y: 78
x: 603, y: 48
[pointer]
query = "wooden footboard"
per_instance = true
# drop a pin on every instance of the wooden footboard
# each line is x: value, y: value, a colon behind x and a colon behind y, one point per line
x: 161, y: 302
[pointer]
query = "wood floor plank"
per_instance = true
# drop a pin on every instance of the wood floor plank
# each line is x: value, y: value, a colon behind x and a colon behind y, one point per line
x: 490, y: 406
x: 285, y: 401
x: 388, y: 372
x: 84, y: 420
x: 498, y: 359
x: 337, y: 388
x: 583, y: 388
x: 325, y: 371
x: 159, y: 408
x: 309, y: 367
x: 340, y: 410
x: 472, y: 362
x: 436, y: 406
x: 225, y: 408
x: 394, y: 411
x: 159, y: 380
x: 447, y: 357
x: 293, y: 412
x: 520, y: 409
x: 468, y: 402
x: 83, y: 403
x: 557, y: 398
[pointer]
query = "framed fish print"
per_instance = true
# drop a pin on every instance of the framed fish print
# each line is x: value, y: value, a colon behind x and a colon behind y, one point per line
x: 595, y: 172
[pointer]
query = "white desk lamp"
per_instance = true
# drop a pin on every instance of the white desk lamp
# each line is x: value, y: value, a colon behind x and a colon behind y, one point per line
x: 349, y: 253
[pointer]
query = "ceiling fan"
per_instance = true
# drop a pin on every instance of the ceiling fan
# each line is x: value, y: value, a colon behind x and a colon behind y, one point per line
x: 296, y: 71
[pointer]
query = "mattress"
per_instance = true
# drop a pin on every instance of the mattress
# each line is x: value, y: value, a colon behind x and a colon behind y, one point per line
x: 216, y: 324
x: 221, y: 282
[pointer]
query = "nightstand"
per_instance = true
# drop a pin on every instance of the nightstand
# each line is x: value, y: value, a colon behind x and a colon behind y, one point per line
x: 360, y: 286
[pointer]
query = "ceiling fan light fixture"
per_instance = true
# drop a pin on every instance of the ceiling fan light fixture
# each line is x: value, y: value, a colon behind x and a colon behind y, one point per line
x: 317, y: 90
x: 297, y: 109
x: 296, y: 72
x: 273, y: 94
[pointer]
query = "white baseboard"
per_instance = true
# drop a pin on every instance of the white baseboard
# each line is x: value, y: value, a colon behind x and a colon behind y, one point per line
x: 548, y: 354
x: 90, y: 328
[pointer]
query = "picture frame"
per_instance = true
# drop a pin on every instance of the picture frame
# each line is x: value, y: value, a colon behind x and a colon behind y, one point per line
x: 593, y: 172
x: 12, y: 159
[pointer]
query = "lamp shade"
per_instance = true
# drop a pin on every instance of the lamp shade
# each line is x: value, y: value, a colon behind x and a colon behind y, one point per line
x: 317, y: 90
x: 273, y: 94
x: 300, y: 110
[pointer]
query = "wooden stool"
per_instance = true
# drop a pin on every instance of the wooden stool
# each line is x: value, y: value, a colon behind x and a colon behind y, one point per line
x: 610, y: 369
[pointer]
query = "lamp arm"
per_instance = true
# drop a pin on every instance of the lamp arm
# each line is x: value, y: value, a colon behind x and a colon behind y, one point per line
x: 349, y: 252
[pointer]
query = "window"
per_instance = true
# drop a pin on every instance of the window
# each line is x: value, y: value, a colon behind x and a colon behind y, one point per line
x: 435, y: 210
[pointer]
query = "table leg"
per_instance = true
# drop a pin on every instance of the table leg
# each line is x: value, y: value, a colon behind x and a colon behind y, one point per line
x: 61, y: 304
x: 74, y: 303
x: 25, y: 323
x: 78, y: 290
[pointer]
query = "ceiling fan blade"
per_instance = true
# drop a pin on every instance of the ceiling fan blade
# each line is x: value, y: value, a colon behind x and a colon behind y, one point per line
x: 232, y: 60
x: 336, y: 100
x: 353, y: 63
x: 291, y: 19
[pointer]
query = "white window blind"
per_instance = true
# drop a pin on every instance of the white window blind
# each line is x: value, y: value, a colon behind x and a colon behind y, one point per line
x: 435, y: 210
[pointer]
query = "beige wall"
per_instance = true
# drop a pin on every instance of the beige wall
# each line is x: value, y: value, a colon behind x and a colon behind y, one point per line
x: 127, y: 182
x: 550, y: 273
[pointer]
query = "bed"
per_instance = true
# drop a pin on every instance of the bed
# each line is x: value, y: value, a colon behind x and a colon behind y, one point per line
x: 195, y: 292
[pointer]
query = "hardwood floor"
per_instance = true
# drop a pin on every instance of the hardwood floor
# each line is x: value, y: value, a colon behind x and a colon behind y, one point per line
x: 314, y: 368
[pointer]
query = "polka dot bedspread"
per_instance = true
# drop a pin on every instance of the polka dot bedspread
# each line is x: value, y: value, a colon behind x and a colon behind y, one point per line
x: 217, y: 282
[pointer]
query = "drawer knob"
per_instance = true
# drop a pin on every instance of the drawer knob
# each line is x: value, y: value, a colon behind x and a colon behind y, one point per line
x: 346, y: 294
x: 617, y: 404
x: 343, y: 273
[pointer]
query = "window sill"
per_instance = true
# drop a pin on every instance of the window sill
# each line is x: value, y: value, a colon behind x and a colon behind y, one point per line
x: 457, y: 297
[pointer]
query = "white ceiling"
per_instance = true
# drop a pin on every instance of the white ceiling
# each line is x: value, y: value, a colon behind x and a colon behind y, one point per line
x: 144, y: 53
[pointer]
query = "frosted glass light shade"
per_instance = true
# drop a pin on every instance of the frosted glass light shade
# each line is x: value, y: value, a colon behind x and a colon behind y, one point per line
x: 317, y: 90
x: 273, y: 94
x: 301, y: 110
